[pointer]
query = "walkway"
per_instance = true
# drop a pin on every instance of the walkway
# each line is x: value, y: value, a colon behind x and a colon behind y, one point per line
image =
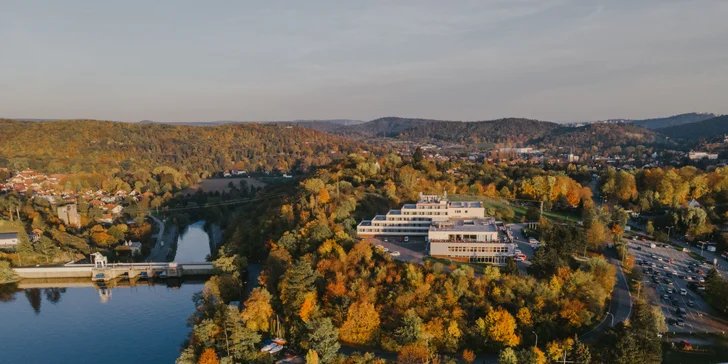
x: 161, y: 250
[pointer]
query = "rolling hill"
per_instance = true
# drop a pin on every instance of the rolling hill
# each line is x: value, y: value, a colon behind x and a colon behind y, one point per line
x: 673, y: 120
x: 95, y: 146
x: 714, y: 127
x: 601, y: 135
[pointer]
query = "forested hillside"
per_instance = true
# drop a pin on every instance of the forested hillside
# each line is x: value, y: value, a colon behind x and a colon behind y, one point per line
x: 510, y: 130
x: 674, y: 120
x: 715, y: 127
x: 97, y: 146
x: 600, y: 135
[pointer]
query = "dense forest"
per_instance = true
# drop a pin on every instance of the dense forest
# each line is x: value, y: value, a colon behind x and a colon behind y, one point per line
x: 707, y: 129
x: 98, y: 146
x: 599, y: 136
x: 328, y: 289
x: 674, y: 120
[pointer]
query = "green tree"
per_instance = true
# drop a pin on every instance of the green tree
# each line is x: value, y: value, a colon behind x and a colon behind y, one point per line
x: 418, y: 156
x: 507, y: 356
x: 322, y: 337
x: 296, y: 282
x: 650, y: 228
x: 6, y: 272
x: 410, y: 330
x: 581, y: 354
x: 533, y: 214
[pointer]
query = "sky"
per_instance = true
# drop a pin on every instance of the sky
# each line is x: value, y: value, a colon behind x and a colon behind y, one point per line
x: 558, y: 60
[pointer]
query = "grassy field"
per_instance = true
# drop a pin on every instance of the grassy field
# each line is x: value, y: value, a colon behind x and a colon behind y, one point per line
x: 222, y: 184
x: 478, y: 268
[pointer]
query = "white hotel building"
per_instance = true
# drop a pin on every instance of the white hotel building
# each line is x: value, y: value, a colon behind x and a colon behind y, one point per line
x: 455, y: 230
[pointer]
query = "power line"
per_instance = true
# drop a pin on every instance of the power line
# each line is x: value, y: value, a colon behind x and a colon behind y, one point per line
x: 225, y: 203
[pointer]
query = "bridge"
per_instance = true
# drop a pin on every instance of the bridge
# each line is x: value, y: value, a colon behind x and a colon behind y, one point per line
x: 105, y: 272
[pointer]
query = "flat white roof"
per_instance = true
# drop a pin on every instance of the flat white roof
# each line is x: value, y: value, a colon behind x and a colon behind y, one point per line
x: 486, y: 225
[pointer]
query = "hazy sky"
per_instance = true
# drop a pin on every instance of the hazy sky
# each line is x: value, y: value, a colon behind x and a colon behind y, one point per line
x: 561, y: 60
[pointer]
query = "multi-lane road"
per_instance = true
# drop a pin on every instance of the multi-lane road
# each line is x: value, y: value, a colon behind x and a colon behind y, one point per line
x: 667, y: 271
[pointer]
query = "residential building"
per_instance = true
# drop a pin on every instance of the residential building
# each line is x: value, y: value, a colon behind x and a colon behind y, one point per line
x: 69, y: 215
x: 134, y: 246
x: 481, y: 240
x: 702, y: 155
x: 9, y: 240
x: 415, y: 219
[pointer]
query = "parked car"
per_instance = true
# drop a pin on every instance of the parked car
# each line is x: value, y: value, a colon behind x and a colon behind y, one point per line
x: 680, y: 322
x: 395, y: 253
x: 380, y: 246
x: 675, y: 303
x: 683, y: 292
x: 670, y: 290
x: 406, y: 239
x: 665, y: 297
x: 691, y: 303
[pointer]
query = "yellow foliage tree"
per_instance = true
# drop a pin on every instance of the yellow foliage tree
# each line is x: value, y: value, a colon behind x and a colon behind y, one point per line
x: 362, y: 322
x: 257, y: 310
x: 312, y: 357
x: 524, y: 316
x: 499, y: 326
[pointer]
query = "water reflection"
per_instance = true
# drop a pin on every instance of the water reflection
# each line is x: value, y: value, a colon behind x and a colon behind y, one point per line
x: 66, y: 314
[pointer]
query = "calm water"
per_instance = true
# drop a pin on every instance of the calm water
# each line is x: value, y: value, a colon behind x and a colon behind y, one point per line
x: 142, y: 324
x: 79, y: 324
x: 193, y: 244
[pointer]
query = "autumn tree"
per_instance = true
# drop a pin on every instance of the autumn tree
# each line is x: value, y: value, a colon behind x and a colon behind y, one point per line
x: 258, y: 310
x: 208, y: 357
x: 498, y: 327
x: 468, y: 356
x: 507, y: 356
x: 361, y: 324
x: 312, y: 357
x: 414, y: 354
x: 296, y: 283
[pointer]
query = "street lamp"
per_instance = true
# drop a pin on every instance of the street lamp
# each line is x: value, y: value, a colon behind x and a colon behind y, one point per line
x: 610, y: 314
x: 536, y: 345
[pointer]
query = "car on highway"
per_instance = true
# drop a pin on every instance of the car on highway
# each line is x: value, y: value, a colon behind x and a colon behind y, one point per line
x: 395, y: 253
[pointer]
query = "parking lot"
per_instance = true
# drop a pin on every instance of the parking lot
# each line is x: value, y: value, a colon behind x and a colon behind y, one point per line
x: 668, y: 273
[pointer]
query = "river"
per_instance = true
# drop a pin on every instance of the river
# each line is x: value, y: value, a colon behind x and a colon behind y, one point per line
x: 193, y: 245
x: 83, y: 324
